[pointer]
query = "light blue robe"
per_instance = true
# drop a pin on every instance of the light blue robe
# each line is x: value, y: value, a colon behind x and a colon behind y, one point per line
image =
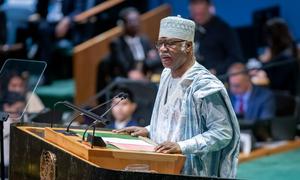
x: 207, y: 130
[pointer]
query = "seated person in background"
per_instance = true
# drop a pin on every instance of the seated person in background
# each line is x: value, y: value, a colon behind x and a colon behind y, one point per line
x: 17, y: 13
x: 13, y: 103
x: 123, y: 112
x: 8, y: 49
x: 132, y: 54
x: 17, y: 82
x: 216, y: 43
x: 54, y: 21
x: 280, y: 58
x: 2, y: 32
x: 250, y: 102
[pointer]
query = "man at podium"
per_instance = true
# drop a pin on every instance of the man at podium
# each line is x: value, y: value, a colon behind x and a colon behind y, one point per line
x: 192, y: 114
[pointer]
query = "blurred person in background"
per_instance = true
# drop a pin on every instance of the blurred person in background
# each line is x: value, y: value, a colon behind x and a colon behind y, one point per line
x: 13, y: 19
x: 280, y: 58
x: 123, y: 112
x: 132, y: 54
x: 216, y: 43
x: 17, y: 82
x: 53, y: 22
x: 17, y: 13
x: 251, y: 103
x: 53, y: 32
x: 2, y: 30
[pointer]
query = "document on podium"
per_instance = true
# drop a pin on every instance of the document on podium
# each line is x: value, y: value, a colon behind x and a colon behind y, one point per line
x: 130, y: 144
x: 123, y: 141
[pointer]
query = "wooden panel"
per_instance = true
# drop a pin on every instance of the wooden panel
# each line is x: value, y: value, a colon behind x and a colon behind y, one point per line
x: 96, y: 10
x: 151, y: 21
x: 120, y: 164
x: 89, y: 54
x: 291, y: 145
x: 114, y: 158
x: 34, y: 131
x: 87, y: 57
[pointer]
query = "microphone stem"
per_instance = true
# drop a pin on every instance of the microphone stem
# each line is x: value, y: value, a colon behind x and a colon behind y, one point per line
x: 96, y: 122
x: 83, y: 136
x: 96, y: 107
x: 83, y: 111
x: 90, y: 110
x: 94, y: 128
x: 53, y: 114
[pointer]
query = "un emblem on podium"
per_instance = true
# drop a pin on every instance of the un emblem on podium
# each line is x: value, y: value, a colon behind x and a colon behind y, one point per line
x: 47, y: 166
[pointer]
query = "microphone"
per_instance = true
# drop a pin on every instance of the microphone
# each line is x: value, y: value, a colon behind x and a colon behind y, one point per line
x: 124, y: 96
x: 76, y: 108
x: 120, y: 95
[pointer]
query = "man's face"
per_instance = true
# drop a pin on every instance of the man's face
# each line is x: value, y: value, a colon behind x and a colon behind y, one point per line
x: 172, y: 52
x: 16, y: 84
x: 132, y: 24
x: 239, y: 84
x: 15, y: 110
x: 124, y: 110
x: 200, y: 11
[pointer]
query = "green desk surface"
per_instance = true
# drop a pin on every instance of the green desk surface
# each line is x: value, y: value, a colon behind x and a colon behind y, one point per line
x: 107, y: 134
x: 279, y: 166
x: 59, y: 88
x: 57, y: 91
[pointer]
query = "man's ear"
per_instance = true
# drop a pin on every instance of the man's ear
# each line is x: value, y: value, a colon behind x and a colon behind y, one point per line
x: 134, y: 107
x: 188, y: 47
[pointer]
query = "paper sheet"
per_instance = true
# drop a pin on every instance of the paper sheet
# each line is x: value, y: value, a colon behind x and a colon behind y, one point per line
x: 129, y: 144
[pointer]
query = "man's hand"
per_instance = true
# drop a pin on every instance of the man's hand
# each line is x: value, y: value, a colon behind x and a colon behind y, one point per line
x: 133, y: 131
x: 34, y: 17
x: 168, y: 147
x: 62, y: 27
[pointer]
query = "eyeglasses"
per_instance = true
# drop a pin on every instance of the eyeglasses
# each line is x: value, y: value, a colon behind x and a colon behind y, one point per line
x: 167, y: 44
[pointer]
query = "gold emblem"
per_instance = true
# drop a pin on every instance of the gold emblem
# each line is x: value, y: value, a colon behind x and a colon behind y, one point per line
x: 47, y: 165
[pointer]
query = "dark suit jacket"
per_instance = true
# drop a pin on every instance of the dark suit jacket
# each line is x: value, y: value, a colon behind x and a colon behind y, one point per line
x: 122, y: 58
x: 261, y: 104
x: 219, y: 45
x: 283, y: 77
x: 69, y: 7
x: 130, y: 123
x: 3, y: 33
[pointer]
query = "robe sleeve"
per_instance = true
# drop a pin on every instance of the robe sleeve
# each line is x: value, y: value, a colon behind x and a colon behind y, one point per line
x: 218, y: 131
x: 148, y: 128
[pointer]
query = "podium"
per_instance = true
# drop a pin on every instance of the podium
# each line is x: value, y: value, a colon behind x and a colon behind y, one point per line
x: 37, y: 152
x: 112, y: 158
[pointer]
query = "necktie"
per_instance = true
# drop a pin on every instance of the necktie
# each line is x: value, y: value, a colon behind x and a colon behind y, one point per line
x: 241, y: 106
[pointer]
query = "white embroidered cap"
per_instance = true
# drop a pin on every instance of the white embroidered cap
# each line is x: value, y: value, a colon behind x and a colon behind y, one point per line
x: 177, y: 27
